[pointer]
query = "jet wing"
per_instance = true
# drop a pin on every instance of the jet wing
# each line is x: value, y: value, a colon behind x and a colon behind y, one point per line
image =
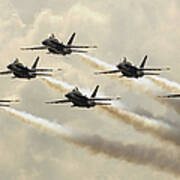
x: 46, y: 70
x: 42, y: 70
x: 5, y: 72
x: 9, y: 100
x: 59, y: 101
x: 108, y: 72
x: 35, y: 48
x: 170, y: 96
x: 81, y: 46
x: 79, y: 51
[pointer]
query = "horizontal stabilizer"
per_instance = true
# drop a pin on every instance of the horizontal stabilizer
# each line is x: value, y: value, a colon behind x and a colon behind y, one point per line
x: 43, y: 70
x: 105, y: 99
x: 81, y: 47
x: 103, y: 104
x: 155, y: 69
x: 43, y: 74
x: 79, y: 51
x: 156, y: 74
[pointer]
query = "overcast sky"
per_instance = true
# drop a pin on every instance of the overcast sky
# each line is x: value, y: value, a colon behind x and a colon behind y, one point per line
x: 119, y: 28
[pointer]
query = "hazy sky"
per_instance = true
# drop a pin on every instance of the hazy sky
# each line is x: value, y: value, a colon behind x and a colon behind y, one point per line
x: 119, y: 28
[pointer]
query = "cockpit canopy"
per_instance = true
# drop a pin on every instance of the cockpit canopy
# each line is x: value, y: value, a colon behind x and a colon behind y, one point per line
x: 126, y: 62
x: 75, y: 89
x: 51, y: 36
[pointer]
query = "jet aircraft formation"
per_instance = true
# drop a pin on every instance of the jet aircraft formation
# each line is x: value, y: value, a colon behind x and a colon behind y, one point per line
x: 54, y: 46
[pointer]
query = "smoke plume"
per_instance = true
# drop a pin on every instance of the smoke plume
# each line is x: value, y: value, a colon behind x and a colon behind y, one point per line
x: 157, y: 158
x: 165, y: 84
x: 57, y: 85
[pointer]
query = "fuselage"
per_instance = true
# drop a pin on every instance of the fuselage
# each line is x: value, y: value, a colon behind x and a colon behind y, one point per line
x: 128, y: 70
x: 55, y: 47
x: 20, y: 71
x: 80, y: 100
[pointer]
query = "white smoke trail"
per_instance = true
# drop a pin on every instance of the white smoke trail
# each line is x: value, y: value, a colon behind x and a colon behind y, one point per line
x: 160, y: 159
x: 165, y: 84
x: 96, y: 63
x: 57, y: 85
x: 156, y: 128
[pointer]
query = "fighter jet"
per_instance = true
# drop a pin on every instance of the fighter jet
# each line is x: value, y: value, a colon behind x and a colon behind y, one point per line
x: 80, y: 100
x: 54, y: 46
x: 21, y: 71
x: 130, y: 71
x: 7, y: 101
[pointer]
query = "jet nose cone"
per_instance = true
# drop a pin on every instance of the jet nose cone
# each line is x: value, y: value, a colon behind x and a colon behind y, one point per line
x: 45, y: 42
x: 67, y: 95
x: 9, y: 66
x: 118, y: 66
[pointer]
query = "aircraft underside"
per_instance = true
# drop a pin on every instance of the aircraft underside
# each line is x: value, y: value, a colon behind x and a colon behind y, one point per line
x: 24, y: 75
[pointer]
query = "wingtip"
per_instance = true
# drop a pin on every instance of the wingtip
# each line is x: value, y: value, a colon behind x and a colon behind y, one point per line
x: 3, y: 105
x: 47, y: 102
x: 96, y: 73
x: 17, y: 100
x: 163, y: 96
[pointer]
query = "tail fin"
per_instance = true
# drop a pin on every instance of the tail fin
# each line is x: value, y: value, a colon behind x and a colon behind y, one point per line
x: 95, y: 91
x: 35, y: 63
x: 143, y: 62
x: 71, y: 39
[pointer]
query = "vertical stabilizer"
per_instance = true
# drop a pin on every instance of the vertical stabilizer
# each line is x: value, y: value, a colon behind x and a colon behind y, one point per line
x: 143, y: 62
x: 71, y: 39
x: 95, y: 91
x: 35, y: 63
